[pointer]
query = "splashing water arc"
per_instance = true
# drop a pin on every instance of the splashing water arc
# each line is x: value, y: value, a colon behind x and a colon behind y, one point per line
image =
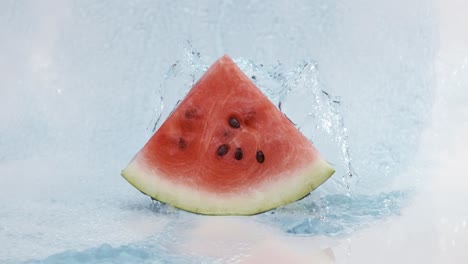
x: 298, y: 93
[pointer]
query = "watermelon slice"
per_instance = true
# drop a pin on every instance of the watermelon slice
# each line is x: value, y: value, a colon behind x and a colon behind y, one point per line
x: 227, y: 150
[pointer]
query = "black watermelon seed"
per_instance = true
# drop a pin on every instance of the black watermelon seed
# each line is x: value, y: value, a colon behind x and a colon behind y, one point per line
x: 182, y: 143
x: 249, y: 117
x: 260, y: 157
x: 233, y: 122
x: 192, y: 113
x: 222, y: 150
x: 238, y: 155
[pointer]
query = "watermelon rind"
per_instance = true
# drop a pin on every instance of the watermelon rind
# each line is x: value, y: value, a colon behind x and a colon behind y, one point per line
x: 288, y: 187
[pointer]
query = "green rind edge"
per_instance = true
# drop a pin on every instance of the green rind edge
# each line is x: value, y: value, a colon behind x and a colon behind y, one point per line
x: 316, y: 176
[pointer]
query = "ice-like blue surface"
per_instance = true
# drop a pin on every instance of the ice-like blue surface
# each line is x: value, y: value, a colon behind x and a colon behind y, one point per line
x: 108, y: 254
x: 329, y: 216
x: 82, y: 83
x: 340, y: 214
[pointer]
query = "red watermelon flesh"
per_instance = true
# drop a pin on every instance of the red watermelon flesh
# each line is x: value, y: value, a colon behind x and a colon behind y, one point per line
x: 227, y: 150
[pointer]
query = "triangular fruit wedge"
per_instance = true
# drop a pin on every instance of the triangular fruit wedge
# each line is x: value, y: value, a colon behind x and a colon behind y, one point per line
x: 227, y: 150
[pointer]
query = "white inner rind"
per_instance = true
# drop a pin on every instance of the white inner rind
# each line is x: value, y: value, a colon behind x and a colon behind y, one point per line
x: 289, y: 187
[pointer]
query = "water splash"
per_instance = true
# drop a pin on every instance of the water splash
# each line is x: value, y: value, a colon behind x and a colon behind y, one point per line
x: 162, y: 208
x: 333, y: 209
x: 336, y: 214
x: 297, y: 92
x: 316, y: 113
x: 176, y: 82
